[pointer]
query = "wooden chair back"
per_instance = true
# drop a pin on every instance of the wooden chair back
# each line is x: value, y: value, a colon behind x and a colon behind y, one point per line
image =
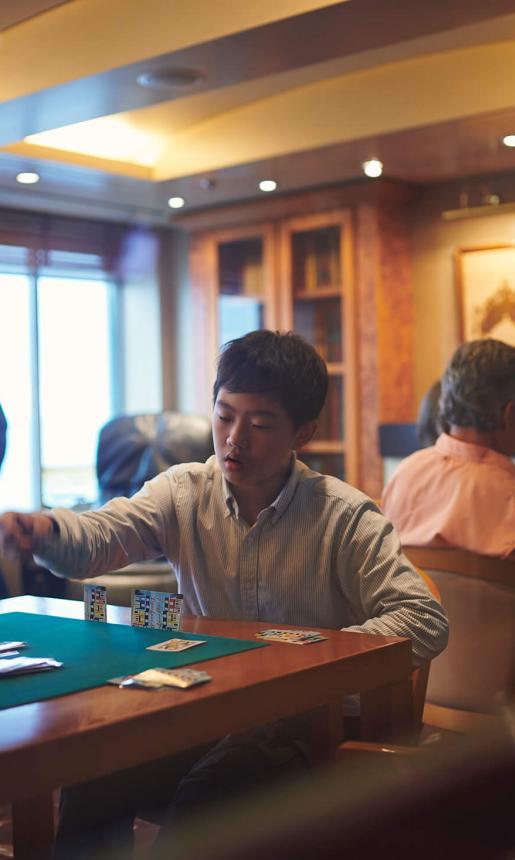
x: 476, y: 672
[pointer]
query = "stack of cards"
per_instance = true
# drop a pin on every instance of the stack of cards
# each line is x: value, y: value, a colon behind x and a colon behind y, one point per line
x: 95, y: 601
x: 158, y: 610
x: 293, y: 637
x: 154, y: 679
x: 11, y: 649
x: 22, y: 665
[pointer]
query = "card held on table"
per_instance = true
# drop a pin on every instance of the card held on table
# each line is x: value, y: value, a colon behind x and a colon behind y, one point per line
x: 95, y: 602
x: 158, y: 610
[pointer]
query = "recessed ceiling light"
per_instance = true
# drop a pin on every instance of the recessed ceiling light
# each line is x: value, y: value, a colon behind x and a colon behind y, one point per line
x: 267, y: 185
x: 168, y: 78
x: 27, y: 178
x: 176, y: 202
x: 372, y: 168
x: 509, y: 140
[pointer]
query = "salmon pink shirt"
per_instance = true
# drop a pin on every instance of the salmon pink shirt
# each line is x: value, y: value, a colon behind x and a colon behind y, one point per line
x: 454, y: 493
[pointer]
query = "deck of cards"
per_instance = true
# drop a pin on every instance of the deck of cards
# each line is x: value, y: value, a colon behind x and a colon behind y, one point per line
x: 11, y: 649
x: 291, y: 637
x: 156, y: 679
x: 12, y: 664
x: 24, y: 665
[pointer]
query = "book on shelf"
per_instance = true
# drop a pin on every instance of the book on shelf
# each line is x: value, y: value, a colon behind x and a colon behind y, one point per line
x: 252, y: 280
x: 310, y: 264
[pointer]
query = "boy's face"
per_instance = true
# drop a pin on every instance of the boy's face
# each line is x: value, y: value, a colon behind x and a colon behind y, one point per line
x: 254, y: 438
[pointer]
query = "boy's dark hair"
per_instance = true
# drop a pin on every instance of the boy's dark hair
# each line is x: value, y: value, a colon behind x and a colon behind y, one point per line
x: 280, y: 365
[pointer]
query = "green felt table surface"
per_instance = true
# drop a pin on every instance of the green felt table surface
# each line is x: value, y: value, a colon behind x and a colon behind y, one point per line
x: 92, y: 652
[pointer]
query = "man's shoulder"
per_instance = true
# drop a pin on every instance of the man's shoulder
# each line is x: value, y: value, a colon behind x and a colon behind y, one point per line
x: 417, y: 460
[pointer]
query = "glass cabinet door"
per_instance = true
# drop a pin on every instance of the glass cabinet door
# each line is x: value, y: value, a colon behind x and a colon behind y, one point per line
x: 241, y: 289
x: 244, y: 282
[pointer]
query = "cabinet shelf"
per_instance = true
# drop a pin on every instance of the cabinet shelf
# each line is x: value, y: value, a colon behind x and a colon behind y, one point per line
x: 317, y: 293
x: 324, y: 446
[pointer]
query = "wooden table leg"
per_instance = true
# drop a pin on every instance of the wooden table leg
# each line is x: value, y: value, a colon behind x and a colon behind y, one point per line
x: 33, y: 828
x: 387, y: 714
x: 326, y: 730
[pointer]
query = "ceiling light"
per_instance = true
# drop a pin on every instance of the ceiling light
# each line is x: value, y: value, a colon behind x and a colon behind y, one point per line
x: 372, y: 168
x: 509, y: 140
x: 176, y: 202
x: 113, y: 137
x: 167, y: 78
x: 267, y: 185
x: 27, y: 178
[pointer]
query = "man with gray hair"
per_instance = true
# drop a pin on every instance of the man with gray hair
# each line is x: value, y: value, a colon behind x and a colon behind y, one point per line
x: 461, y: 491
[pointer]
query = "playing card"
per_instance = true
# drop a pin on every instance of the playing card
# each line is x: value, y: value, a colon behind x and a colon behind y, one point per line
x: 292, y: 637
x: 155, y: 679
x: 175, y: 645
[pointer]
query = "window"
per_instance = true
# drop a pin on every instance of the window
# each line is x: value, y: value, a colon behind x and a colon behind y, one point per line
x: 75, y: 384
x: 57, y: 353
x: 17, y: 394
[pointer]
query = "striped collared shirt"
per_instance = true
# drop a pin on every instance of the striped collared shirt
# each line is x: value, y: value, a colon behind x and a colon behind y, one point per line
x: 320, y: 555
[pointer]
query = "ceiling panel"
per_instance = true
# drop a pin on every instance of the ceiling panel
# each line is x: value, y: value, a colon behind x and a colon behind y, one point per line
x: 299, y: 90
x: 14, y: 11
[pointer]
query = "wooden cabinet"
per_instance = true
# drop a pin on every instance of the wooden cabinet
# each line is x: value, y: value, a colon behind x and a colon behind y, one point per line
x: 291, y: 274
x: 341, y: 276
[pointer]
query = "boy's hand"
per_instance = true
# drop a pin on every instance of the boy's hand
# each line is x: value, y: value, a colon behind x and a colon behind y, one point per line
x: 20, y: 533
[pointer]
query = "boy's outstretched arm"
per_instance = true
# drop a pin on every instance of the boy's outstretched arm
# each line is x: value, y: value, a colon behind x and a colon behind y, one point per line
x: 20, y: 534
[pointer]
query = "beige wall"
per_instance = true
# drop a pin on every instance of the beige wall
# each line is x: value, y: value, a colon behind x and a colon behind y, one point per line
x: 434, y: 242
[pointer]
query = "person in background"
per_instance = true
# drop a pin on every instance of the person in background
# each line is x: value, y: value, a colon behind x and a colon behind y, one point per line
x: 252, y: 533
x: 461, y: 491
x: 428, y: 424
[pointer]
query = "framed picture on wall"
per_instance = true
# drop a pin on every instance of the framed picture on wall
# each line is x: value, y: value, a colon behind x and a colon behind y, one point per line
x: 485, y: 277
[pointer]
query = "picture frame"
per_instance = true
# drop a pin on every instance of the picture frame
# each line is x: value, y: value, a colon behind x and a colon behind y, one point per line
x: 485, y: 279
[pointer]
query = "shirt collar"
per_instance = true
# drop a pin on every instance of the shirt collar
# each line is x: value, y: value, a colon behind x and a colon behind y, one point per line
x: 451, y: 447
x: 279, y: 505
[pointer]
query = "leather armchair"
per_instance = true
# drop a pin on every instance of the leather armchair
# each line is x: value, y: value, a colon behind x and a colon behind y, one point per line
x: 133, y: 449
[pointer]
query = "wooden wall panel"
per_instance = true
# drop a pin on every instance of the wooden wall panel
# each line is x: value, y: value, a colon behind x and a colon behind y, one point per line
x: 394, y: 307
x: 384, y: 330
x: 367, y: 273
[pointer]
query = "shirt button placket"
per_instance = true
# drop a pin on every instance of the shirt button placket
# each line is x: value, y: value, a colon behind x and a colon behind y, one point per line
x: 249, y: 563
